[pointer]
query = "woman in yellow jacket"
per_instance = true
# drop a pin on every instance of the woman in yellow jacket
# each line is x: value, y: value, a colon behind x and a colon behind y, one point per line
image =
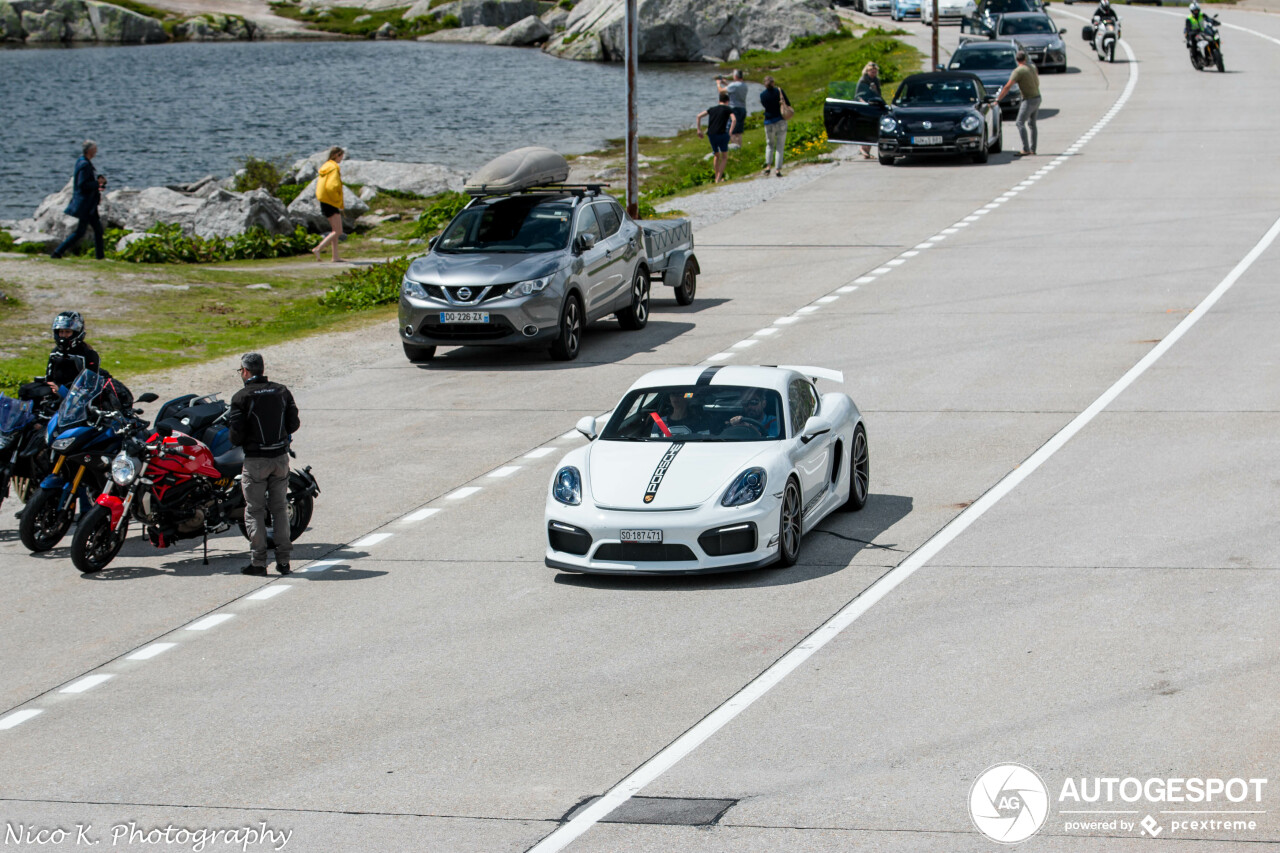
x: 329, y: 193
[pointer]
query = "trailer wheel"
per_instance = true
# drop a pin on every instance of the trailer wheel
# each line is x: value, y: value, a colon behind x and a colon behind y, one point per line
x: 688, y: 286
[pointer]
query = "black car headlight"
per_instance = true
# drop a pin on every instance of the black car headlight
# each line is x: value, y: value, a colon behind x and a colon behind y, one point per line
x: 888, y: 124
x: 747, y: 488
x: 567, y: 487
x: 970, y: 123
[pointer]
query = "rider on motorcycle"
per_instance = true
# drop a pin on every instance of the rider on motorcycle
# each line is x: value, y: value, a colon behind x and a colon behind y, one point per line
x: 1104, y: 12
x: 1194, y: 22
x: 71, y: 355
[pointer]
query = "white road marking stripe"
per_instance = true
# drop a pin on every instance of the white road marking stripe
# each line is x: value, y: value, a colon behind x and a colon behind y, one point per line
x: 323, y: 566
x: 148, y: 652
x: 539, y: 453
x: 962, y: 224
x: 270, y: 591
x: 909, y: 254
x: 87, y: 683
x: 785, y: 321
x: 866, y: 279
x: 745, y: 343
x: 848, y: 288
x: 720, y: 356
x: 504, y: 471
x: 808, y: 309
x: 370, y: 540
x: 19, y: 717
x: 928, y: 244
x: 765, y: 332
x: 464, y: 492
x: 947, y: 231
x: 743, y: 699
x: 881, y: 270
x: 827, y: 300
x: 573, y: 433
x: 896, y: 262
x: 210, y: 622
x: 427, y: 512
x: 968, y: 219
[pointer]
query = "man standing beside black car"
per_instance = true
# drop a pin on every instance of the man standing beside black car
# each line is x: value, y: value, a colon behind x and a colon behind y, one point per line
x: 262, y: 420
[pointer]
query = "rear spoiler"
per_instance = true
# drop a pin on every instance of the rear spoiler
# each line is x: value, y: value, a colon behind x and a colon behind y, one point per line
x: 816, y: 372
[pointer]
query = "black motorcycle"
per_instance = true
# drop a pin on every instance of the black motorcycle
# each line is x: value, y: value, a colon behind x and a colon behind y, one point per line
x: 1206, y: 45
x: 24, y: 455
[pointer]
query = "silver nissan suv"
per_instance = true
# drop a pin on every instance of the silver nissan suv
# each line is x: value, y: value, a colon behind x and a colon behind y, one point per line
x: 526, y: 268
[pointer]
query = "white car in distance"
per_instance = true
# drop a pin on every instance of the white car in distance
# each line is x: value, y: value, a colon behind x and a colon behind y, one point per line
x: 707, y: 469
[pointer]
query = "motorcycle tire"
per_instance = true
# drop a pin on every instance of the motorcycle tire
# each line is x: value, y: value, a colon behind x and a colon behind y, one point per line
x: 1217, y: 60
x: 301, y: 505
x: 95, y: 544
x: 1111, y: 52
x: 42, y: 526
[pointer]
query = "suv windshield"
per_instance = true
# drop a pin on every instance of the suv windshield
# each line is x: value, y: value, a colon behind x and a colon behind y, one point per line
x: 697, y: 413
x: 983, y: 59
x: 946, y: 91
x: 1025, y: 26
x: 519, y: 224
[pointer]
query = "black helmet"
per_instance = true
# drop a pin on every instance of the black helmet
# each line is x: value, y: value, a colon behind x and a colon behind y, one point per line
x: 68, y: 320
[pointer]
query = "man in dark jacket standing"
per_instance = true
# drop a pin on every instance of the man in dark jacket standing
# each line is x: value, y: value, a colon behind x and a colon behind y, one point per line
x: 262, y: 419
x: 86, y: 192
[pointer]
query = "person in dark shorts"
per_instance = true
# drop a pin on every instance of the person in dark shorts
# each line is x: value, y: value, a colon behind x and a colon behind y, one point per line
x: 737, y: 90
x: 329, y: 194
x: 721, y: 122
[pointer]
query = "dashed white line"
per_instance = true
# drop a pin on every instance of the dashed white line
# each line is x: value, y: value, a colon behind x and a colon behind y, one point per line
x: 87, y: 683
x: 881, y: 270
x: 785, y: 321
x: 427, y: 512
x: 210, y: 622
x: 720, y: 356
x: 270, y: 591
x: 148, y: 652
x: 464, y: 492
x: 323, y: 566
x: 573, y: 433
x: 538, y: 453
x: 765, y: 332
x: 19, y: 717
x: 743, y: 344
x: 827, y: 300
x: 848, y: 288
x: 504, y: 471
x: 866, y: 279
x: 371, y: 539
x: 808, y: 309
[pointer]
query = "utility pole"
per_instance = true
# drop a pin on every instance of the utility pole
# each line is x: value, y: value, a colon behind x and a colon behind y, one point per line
x: 633, y: 141
x: 934, y: 67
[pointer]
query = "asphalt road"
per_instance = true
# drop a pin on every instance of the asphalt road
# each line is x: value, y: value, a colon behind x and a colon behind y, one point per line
x: 1105, y: 613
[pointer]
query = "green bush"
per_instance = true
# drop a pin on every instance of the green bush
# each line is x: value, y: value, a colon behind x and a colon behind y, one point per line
x: 288, y: 192
x: 6, y: 241
x: 565, y: 4
x: 258, y: 173
x: 451, y: 22
x: 442, y: 208
x: 165, y: 244
x: 367, y: 287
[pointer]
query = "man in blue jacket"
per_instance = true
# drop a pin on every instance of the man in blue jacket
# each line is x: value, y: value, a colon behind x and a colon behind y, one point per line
x: 86, y: 190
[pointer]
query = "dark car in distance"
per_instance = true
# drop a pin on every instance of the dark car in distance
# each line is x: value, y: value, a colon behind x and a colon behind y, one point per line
x: 982, y: 19
x: 1037, y: 34
x: 943, y: 112
x: 991, y: 62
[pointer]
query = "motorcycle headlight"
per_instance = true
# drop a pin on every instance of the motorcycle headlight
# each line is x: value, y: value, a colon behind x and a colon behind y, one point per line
x: 748, y: 487
x: 568, y: 486
x: 412, y: 288
x: 528, y: 288
x: 970, y: 123
x: 124, y: 469
x: 888, y: 124
x: 63, y: 443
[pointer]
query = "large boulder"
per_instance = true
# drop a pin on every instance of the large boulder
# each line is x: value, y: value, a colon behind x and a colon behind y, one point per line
x: 418, y: 178
x: 530, y: 30
x: 305, y: 210
x: 689, y: 30
x: 463, y: 35
x: 215, y: 27
x: 114, y: 24
x: 555, y: 18
x: 138, y: 210
x: 42, y: 27
x: 226, y: 214
x: 477, y: 13
x: 10, y: 23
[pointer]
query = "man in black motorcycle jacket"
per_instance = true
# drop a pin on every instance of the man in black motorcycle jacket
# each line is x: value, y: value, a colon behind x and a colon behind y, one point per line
x: 262, y: 419
x: 1104, y: 12
x: 71, y: 355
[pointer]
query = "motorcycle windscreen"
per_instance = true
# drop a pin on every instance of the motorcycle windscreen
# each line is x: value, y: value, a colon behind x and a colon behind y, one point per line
x: 15, y: 414
x: 75, y: 406
x: 852, y: 121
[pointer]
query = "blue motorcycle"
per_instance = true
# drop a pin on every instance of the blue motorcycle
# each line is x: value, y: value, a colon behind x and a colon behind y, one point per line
x: 85, y: 434
x: 24, y: 456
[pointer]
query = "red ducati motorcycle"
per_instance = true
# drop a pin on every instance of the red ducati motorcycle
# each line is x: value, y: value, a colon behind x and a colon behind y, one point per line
x: 174, y: 486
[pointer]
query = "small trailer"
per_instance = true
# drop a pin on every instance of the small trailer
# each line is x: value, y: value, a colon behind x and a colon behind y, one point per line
x: 669, y: 245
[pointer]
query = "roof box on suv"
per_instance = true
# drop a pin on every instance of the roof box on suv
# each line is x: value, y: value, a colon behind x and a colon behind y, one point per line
x: 518, y: 170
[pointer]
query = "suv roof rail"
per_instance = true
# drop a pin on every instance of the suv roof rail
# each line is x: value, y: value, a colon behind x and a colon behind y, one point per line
x: 573, y: 189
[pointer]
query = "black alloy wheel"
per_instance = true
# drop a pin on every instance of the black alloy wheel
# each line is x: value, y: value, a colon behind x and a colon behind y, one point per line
x: 790, y: 525
x: 885, y: 159
x: 983, y: 155
x: 688, y: 286
x: 566, y: 346
x: 998, y: 145
x: 859, y: 471
x: 418, y: 354
x: 636, y: 315
x: 95, y: 544
x: 42, y: 526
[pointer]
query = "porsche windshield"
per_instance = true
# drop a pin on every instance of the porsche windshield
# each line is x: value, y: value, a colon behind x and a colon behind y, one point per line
x: 1032, y: 25
x: 945, y: 91
x: 697, y: 413
x: 519, y: 224
x: 983, y: 59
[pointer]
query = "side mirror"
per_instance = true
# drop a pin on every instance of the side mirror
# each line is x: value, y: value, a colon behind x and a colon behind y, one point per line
x: 148, y: 397
x: 989, y: 99
x: 586, y: 242
x: 587, y: 426
x: 814, y: 427
x: 940, y: 67
x: 1063, y: 31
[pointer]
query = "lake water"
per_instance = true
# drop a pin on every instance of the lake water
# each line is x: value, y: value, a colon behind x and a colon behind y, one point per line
x: 172, y: 113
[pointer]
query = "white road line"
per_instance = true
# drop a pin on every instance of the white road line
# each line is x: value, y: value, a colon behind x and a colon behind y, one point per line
x: 881, y: 270
x: 324, y: 566
x: 962, y: 224
x: 827, y: 300
x: 928, y: 244
x: 910, y: 254
x: 270, y: 591
x: 764, y: 333
x: 807, y: 309
x: 896, y: 262
x: 504, y: 471
x: 148, y: 652
x: 866, y: 279
x: 464, y: 492
x: 745, y: 343
x: 848, y: 288
x: 19, y: 717
x: 427, y: 512
x: 372, y: 539
x: 538, y: 453
x: 573, y: 433
x: 87, y: 683
x: 784, y: 321
x: 694, y: 737
x: 210, y: 622
x: 720, y: 356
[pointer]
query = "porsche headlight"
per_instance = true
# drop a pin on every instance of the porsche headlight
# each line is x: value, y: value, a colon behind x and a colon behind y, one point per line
x: 747, y: 488
x: 970, y: 123
x: 124, y: 469
x: 528, y: 288
x: 412, y: 288
x: 567, y: 487
x: 888, y: 124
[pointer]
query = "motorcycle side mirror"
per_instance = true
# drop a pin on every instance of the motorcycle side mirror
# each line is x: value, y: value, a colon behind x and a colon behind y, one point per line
x: 148, y: 397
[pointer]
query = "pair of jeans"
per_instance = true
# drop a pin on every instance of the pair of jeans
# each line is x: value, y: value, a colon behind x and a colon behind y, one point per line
x: 775, y: 142
x: 265, y: 482
x: 84, y: 223
x: 1026, y: 123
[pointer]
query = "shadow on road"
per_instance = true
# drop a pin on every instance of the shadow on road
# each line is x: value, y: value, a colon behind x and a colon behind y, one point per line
x: 828, y: 549
x: 604, y: 342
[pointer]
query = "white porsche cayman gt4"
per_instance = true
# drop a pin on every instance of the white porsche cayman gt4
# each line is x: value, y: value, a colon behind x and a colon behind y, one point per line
x: 707, y: 469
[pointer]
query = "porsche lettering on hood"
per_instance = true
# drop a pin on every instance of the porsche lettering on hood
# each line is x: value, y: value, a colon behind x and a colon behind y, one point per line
x: 627, y: 475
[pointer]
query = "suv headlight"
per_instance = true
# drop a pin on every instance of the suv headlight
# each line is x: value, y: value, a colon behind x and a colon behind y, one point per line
x: 124, y: 469
x: 888, y: 124
x: 412, y: 288
x: 567, y: 487
x: 748, y: 487
x: 970, y: 123
x: 528, y: 288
